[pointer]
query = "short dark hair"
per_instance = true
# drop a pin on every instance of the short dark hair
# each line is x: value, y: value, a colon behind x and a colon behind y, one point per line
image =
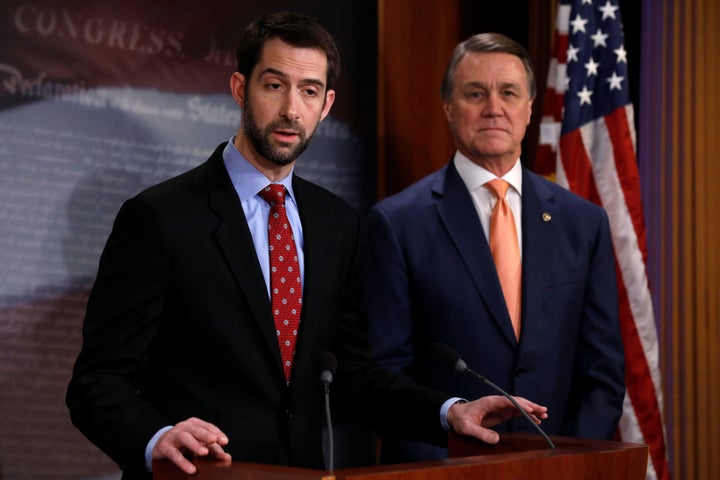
x: 292, y: 28
x: 487, y: 42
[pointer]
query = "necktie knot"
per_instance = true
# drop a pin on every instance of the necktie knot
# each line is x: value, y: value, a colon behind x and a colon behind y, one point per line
x: 273, y: 194
x: 497, y: 187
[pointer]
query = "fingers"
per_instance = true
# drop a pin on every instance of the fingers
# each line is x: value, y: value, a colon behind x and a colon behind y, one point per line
x: 486, y: 435
x: 192, y: 437
x: 536, y: 412
x: 465, y: 427
x: 176, y: 457
x: 474, y: 417
x: 216, y: 451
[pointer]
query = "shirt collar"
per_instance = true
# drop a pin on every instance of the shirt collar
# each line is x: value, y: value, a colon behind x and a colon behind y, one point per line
x: 247, y: 179
x: 476, y: 176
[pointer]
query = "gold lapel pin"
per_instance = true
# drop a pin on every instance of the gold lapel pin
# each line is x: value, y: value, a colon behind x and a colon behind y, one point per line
x: 546, y: 217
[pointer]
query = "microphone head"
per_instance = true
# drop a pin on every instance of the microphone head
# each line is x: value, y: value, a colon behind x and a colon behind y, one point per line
x: 327, y: 364
x: 445, y: 355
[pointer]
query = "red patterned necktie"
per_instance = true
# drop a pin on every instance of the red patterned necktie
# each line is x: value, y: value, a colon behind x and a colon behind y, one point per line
x: 285, y: 281
x: 506, y: 250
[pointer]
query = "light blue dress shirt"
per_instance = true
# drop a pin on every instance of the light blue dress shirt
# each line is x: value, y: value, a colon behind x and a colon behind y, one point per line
x: 248, y: 181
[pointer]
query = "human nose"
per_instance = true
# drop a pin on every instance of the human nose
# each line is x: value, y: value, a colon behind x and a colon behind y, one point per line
x: 492, y: 106
x: 291, y: 106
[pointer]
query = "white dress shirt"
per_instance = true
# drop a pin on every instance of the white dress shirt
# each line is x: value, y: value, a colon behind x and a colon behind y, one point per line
x: 475, y: 176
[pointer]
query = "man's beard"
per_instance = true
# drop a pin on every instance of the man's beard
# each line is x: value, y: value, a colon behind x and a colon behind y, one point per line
x: 260, y: 138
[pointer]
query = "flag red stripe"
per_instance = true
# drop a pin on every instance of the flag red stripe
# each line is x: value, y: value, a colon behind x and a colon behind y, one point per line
x: 544, y: 161
x: 629, y: 176
x: 553, y: 105
x: 561, y: 46
x: 578, y: 169
x: 639, y: 383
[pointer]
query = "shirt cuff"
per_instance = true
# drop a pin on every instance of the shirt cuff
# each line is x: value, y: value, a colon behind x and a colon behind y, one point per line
x: 151, y: 445
x: 444, y: 410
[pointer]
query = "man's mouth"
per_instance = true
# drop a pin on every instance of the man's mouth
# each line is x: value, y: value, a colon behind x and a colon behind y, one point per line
x: 286, y: 135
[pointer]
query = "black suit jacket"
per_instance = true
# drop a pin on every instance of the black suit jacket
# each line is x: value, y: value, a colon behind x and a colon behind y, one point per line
x: 179, y: 325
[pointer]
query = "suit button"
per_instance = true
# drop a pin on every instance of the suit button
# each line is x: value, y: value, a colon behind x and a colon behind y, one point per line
x: 519, y: 371
x: 289, y: 414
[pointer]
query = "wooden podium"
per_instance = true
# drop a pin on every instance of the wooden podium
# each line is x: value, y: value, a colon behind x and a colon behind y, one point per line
x: 517, y: 456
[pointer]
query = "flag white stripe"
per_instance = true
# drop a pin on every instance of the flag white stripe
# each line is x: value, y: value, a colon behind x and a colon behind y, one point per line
x: 596, y: 140
x: 632, y: 434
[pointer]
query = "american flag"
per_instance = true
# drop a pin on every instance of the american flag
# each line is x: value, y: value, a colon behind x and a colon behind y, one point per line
x: 587, y: 144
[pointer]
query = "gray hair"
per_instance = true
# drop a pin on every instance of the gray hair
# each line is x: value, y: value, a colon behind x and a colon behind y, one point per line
x: 486, y: 42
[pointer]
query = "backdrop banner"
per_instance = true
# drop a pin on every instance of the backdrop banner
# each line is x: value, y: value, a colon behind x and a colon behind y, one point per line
x: 98, y: 100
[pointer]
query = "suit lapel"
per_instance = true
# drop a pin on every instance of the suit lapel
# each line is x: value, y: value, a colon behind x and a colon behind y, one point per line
x: 235, y: 242
x: 537, y: 213
x: 316, y: 269
x: 458, y: 214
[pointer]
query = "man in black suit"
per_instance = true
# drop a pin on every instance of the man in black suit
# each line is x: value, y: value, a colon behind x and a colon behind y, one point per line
x: 181, y: 356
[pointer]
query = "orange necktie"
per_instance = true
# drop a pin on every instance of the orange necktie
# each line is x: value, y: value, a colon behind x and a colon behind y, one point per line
x: 506, y: 250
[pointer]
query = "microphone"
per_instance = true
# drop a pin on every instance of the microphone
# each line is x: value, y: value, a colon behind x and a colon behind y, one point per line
x: 446, y: 356
x: 328, y: 364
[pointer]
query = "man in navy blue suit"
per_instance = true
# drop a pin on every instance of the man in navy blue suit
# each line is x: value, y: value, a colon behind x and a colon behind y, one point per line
x: 430, y: 274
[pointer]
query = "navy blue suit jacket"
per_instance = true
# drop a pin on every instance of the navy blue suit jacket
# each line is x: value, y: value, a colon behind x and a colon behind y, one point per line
x: 430, y: 277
